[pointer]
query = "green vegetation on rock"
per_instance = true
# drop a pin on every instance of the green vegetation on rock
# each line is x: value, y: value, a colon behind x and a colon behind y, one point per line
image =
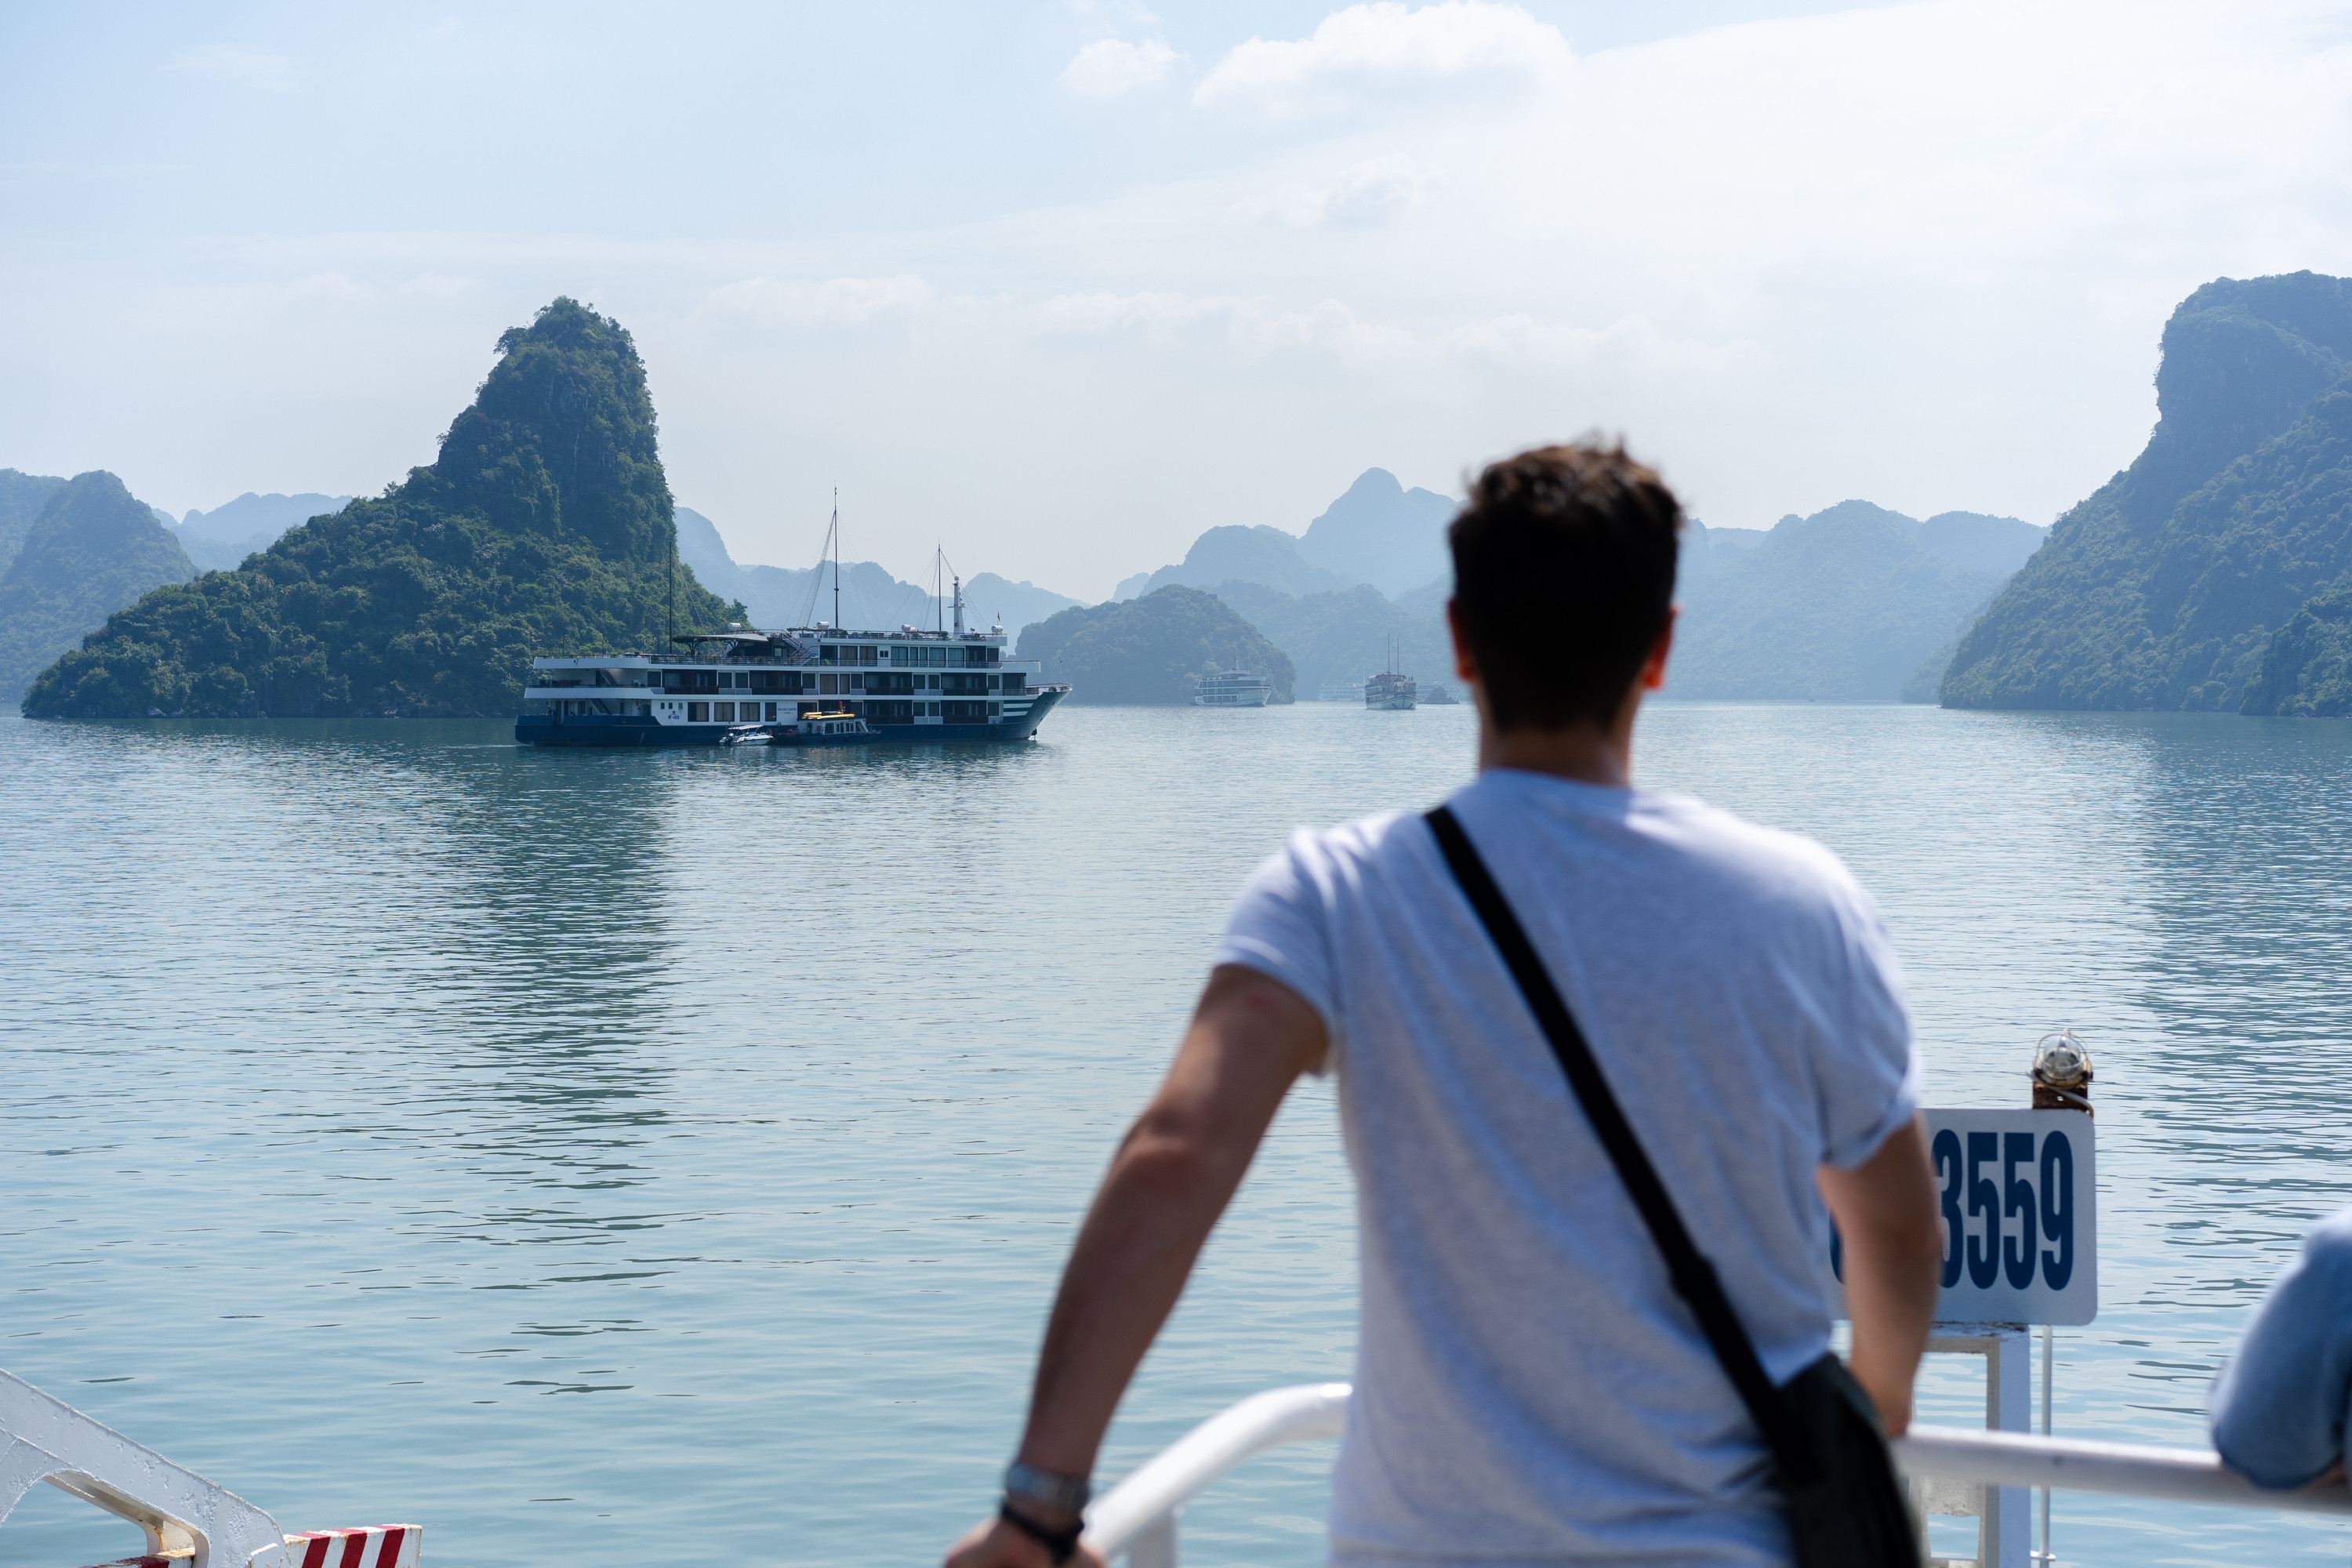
x: 543, y: 527
x: 2209, y: 575
x: 93, y: 549
x: 1149, y: 650
x: 2306, y: 671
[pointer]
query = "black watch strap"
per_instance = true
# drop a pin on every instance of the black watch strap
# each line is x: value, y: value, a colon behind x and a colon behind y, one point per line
x: 1060, y: 1545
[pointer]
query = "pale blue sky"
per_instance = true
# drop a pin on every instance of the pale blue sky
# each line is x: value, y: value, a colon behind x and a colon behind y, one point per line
x: 1060, y: 285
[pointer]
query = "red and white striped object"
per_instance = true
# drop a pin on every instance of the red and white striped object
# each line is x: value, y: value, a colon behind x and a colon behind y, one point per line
x: 369, y: 1546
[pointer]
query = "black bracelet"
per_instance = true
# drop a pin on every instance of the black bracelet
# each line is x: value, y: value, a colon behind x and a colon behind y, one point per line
x: 1060, y: 1545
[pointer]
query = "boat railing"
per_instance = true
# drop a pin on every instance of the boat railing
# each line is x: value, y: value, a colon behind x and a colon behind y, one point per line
x: 42, y: 1438
x: 1138, y: 1518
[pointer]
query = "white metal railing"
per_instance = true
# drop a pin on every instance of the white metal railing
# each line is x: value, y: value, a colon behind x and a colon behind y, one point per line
x: 1139, y: 1516
x: 43, y: 1438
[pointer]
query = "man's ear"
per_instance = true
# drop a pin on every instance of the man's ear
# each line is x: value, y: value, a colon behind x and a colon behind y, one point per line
x: 1466, y: 668
x: 1654, y: 669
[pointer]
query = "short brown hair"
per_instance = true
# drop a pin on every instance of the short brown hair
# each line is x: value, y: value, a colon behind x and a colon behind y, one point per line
x: 1563, y: 576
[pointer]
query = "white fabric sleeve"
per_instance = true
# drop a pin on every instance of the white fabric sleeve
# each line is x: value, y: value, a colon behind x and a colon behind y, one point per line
x: 1869, y: 1079
x: 1278, y: 927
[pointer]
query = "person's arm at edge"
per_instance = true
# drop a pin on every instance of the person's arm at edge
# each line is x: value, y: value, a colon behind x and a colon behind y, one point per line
x: 1885, y: 1209
x: 1177, y: 1168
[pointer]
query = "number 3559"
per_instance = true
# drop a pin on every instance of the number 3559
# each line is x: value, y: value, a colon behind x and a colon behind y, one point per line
x: 2009, y: 1208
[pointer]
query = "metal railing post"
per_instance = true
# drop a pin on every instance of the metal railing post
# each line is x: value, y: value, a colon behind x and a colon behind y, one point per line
x: 1154, y: 1545
x: 43, y: 1438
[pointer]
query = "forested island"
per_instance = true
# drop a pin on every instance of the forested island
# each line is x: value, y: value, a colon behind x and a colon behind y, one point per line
x: 2215, y: 572
x: 1151, y: 649
x: 544, y: 526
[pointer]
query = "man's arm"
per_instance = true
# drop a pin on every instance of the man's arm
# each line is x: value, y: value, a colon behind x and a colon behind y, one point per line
x: 2278, y: 1406
x: 1885, y: 1209
x: 1177, y: 1168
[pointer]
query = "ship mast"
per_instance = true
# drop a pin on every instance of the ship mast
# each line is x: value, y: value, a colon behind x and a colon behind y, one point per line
x: 836, y: 557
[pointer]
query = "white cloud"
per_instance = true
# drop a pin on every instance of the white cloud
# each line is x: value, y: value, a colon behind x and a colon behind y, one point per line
x: 828, y: 303
x: 1382, y: 46
x: 238, y: 65
x: 1108, y: 68
x: 1361, y: 195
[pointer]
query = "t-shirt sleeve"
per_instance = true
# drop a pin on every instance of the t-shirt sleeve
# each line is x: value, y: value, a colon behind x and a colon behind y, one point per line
x: 1279, y: 928
x: 1870, y: 1077
x: 2279, y: 1404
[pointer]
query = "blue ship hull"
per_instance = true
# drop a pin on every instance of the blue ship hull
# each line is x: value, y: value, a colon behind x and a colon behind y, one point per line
x: 541, y: 730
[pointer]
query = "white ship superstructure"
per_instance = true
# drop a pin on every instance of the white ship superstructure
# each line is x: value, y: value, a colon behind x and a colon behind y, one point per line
x: 907, y: 685
x: 1232, y: 688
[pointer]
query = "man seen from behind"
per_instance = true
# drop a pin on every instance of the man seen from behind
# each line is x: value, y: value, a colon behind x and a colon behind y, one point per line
x: 1529, y: 1389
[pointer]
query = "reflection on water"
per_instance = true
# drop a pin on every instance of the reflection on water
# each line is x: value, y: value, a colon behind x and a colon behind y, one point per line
x: 682, y: 1146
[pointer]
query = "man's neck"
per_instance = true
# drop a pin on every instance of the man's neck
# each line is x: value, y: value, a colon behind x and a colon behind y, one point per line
x: 1588, y: 753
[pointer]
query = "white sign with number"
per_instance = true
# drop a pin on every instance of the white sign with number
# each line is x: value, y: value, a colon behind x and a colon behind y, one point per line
x: 2018, y: 1194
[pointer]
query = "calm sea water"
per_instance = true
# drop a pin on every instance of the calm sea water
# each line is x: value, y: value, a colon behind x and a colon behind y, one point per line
x: 652, y: 1158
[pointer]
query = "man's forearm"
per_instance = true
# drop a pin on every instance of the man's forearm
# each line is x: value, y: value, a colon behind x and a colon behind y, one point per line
x: 1886, y: 1212
x: 1890, y: 1293
x: 1156, y: 1207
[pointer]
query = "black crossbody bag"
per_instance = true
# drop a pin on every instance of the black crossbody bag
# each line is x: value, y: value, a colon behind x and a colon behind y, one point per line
x: 1845, y: 1505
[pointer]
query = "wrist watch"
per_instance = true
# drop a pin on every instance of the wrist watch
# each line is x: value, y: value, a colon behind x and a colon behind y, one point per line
x: 1046, y: 1488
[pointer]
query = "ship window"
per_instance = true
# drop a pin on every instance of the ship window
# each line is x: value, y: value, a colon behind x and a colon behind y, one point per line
x: 826, y: 684
x: 723, y: 712
x: 698, y: 712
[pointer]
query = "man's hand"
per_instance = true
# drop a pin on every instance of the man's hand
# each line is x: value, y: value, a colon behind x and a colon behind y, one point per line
x: 996, y: 1544
x: 1885, y: 1209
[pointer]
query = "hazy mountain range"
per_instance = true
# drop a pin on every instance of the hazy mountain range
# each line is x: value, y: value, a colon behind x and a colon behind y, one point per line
x: 2216, y: 571
x: 1854, y: 602
x: 870, y: 596
x: 88, y: 551
x: 219, y: 540
x: 1378, y: 532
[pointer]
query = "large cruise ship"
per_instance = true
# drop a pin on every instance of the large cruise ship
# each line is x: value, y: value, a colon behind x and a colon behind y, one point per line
x: 800, y: 686
x: 1232, y: 688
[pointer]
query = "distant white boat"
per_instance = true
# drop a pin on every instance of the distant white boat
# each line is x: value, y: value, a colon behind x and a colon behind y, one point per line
x: 1232, y: 688
x: 1392, y: 690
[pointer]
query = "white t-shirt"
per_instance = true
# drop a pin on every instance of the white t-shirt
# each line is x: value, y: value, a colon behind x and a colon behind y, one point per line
x: 1528, y: 1387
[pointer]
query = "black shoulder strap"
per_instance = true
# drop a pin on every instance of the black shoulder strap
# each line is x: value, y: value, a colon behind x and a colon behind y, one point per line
x: 1694, y: 1277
